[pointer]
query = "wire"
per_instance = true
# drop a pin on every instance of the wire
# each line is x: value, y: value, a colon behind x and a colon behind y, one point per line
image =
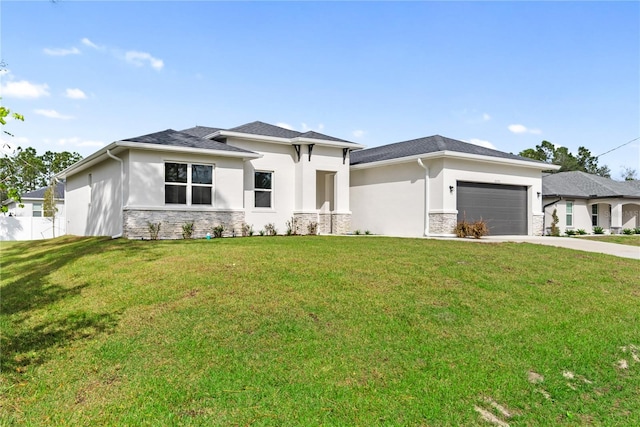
x: 620, y: 146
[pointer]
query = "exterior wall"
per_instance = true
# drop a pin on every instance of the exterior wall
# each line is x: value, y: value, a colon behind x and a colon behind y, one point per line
x: 629, y: 214
x: 294, y: 182
x: 136, y: 222
x: 27, y: 208
x: 94, y: 203
x: 391, y: 199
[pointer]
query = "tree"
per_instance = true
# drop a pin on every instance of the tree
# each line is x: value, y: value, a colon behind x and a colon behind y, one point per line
x: 549, y: 153
x: 7, y: 191
x: 49, y: 208
x: 629, y: 174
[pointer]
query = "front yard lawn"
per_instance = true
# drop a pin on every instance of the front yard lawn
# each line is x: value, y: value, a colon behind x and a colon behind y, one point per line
x: 622, y: 239
x: 316, y: 331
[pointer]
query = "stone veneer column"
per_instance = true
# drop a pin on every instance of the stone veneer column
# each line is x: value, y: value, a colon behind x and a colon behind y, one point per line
x: 303, y: 220
x: 136, y: 223
x: 341, y: 223
x: 538, y: 225
x: 442, y: 223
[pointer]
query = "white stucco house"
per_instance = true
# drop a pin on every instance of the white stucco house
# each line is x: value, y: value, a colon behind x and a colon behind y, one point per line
x: 26, y: 220
x: 254, y: 174
x: 583, y: 201
x: 261, y: 174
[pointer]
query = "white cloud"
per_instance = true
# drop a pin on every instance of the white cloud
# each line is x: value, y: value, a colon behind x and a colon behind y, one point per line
x: 486, y: 117
x: 75, y: 94
x: 140, y: 58
x: 517, y: 128
x: 284, y: 125
x: 61, y: 52
x: 318, y: 128
x: 482, y: 143
x: 90, y: 144
x: 24, y: 89
x: 52, y: 114
x: 85, y: 41
x: 358, y: 133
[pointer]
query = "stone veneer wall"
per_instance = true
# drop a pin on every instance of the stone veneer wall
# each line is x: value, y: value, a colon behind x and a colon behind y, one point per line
x: 303, y: 220
x: 442, y: 223
x: 136, y: 223
x: 341, y: 223
x: 538, y: 225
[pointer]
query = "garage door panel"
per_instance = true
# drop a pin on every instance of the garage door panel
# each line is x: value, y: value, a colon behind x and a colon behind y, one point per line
x: 503, y: 207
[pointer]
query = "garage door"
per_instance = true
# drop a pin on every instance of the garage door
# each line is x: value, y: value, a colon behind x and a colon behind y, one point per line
x: 503, y: 207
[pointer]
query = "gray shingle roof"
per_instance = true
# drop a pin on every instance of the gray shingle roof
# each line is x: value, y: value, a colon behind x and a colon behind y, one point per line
x: 317, y: 135
x: 586, y: 186
x: 429, y: 144
x: 265, y: 129
x: 182, y: 139
x: 200, y: 131
x: 39, y: 193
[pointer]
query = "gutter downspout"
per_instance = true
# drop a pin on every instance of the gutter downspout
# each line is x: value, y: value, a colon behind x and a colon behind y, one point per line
x: 121, y: 193
x: 426, y: 197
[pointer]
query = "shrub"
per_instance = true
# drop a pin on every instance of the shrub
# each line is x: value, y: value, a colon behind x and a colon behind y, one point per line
x: 154, y: 230
x: 218, y: 230
x: 627, y: 231
x: 636, y: 230
x: 312, y: 228
x: 270, y: 229
x: 598, y: 230
x: 476, y: 229
x: 261, y: 232
x: 357, y: 232
x: 555, y: 231
x: 570, y: 233
x: 187, y: 230
x: 581, y: 231
x: 292, y: 226
x: 367, y: 232
x: 247, y: 229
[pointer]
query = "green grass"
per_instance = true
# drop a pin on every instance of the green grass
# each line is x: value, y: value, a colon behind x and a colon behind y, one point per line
x: 622, y: 239
x: 315, y: 331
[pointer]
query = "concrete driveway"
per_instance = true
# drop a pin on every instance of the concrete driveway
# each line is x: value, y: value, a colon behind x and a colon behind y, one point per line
x: 625, y: 251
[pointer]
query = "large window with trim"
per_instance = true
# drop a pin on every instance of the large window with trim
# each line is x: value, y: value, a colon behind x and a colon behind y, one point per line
x: 188, y: 184
x: 569, y: 214
x: 263, y: 189
x: 594, y: 215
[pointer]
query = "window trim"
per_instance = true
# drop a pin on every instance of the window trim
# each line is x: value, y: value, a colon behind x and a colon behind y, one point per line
x: 264, y: 190
x: 569, y: 213
x: 40, y: 210
x: 189, y: 185
x: 594, y: 215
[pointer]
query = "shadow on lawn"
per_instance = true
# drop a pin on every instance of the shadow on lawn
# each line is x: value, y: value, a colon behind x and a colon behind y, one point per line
x: 25, y: 286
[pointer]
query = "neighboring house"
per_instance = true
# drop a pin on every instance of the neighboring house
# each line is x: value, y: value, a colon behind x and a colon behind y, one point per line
x: 27, y: 222
x: 584, y: 201
x: 255, y: 174
x: 423, y: 187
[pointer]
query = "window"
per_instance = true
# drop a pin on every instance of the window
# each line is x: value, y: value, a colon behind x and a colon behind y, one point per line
x: 188, y: 184
x: 569, y: 214
x: 263, y: 189
x: 37, y: 209
x: 594, y: 215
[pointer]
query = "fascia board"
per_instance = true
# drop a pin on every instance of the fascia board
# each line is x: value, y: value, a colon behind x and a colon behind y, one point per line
x: 458, y: 155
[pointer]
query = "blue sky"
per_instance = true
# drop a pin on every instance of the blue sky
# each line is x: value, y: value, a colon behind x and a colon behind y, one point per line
x: 501, y: 74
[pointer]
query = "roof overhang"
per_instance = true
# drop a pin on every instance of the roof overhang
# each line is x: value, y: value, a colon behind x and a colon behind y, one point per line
x: 119, y: 146
x: 284, y: 141
x: 463, y: 156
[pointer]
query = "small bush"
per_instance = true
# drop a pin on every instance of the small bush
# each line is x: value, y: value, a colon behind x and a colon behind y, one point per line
x: 598, y: 230
x: 581, y: 231
x: 187, y: 230
x: 627, y: 231
x: 636, y: 230
x: 357, y: 232
x: 154, y: 230
x: 476, y: 229
x: 261, y: 232
x: 367, y: 233
x: 270, y: 229
x: 312, y: 228
x: 463, y: 229
x: 555, y: 230
x: 246, y: 230
x: 292, y: 226
x: 218, y: 230
x: 570, y: 232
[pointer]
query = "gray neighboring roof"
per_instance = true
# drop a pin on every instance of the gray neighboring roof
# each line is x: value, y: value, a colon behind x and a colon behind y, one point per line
x: 200, y: 131
x: 39, y: 193
x: 181, y: 139
x: 429, y: 144
x: 583, y: 185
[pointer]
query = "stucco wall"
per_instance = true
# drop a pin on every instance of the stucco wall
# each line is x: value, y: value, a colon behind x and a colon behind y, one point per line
x: 630, y: 214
